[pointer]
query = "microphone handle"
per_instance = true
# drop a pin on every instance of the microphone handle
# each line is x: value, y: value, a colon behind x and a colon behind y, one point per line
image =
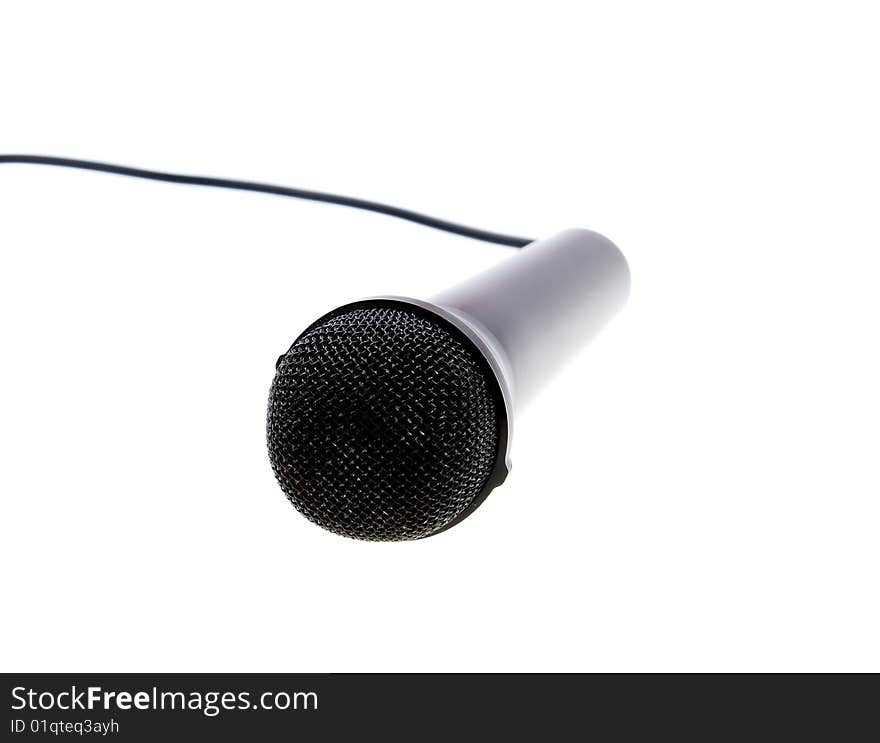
x: 542, y: 305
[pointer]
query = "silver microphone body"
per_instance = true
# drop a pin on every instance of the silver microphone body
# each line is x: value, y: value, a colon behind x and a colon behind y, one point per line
x: 541, y: 306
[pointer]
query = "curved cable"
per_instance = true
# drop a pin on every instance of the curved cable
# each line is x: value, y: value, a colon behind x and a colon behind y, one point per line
x: 296, y: 193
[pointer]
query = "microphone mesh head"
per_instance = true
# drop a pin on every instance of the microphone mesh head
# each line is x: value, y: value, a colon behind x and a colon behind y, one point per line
x: 383, y: 423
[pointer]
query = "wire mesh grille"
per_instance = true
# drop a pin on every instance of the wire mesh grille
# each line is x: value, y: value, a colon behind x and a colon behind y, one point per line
x: 382, y: 424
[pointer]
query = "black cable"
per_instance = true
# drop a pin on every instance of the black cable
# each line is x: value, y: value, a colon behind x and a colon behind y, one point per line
x: 296, y: 193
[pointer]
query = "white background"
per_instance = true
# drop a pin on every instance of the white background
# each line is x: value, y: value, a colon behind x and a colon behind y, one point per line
x: 699, y: 491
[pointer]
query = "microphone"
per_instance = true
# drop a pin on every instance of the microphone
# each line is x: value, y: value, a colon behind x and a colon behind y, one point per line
x: 391, y: 418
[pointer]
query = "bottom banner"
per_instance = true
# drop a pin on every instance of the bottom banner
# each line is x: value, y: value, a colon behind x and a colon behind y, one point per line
x: 135, y: 707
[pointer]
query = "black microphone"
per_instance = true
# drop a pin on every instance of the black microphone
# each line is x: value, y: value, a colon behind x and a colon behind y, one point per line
x: 391, y: 418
